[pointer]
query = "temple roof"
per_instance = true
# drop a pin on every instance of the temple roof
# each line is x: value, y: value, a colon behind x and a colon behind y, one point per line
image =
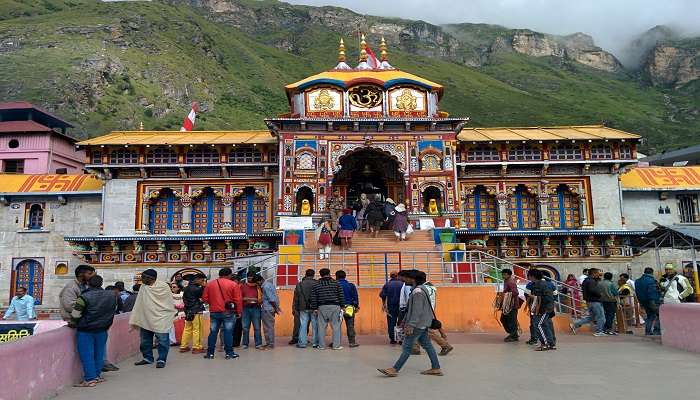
x: 661, y: 178
x: 347, y: 78
x: 49, y: 184
x: 583, y: 132
x: 180, y: 138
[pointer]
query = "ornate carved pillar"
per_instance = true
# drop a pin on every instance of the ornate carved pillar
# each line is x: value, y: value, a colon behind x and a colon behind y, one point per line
x: 227, y: 201
x: 543, y: 201
x: 583, y: 209
x: 145, y: 215
x: 502, y: 200
x: 186, y: 222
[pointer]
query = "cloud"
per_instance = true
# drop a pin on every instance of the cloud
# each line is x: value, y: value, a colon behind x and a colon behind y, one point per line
x: 612, y: 23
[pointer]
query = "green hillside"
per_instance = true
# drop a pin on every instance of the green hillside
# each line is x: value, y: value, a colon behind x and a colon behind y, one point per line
x: 106, y: 66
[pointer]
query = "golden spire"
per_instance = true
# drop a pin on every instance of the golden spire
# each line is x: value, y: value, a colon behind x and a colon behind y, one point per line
x: 341, y: 51
x: 141, y: 125
x: 382, y: 48
x: 363, y: 48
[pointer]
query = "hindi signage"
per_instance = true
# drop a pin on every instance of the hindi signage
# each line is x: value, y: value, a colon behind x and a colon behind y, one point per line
x: 16, y: 331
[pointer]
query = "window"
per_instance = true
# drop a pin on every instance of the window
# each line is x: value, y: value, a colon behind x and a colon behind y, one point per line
x: 96, y: 157
x: 522, y: 209
x: 480, y: 210
x: 13, y: 144
x: 203, y: 155
x: 566, y: 152
x: 123, y: 157
x: 306, y: 161
x: 272, y: 156
x: 564, y: 209
x: 601, y: 152
x: 244, y: 154
x: 687, y: 212
x: 165, y: 214
x: 483, y: 153
x: 625, y: 152
x: 13, y: 166
x: 161, y: 155
x: 35, y: 217
x: 524, y: 153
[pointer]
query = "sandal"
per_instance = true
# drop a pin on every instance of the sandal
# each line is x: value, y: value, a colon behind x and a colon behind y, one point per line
x: 86, y: 384
x: 388, y: 373
x: 433, y: 372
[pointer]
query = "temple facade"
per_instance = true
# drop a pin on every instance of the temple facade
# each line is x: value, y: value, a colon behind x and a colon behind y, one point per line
x: 182, y: 202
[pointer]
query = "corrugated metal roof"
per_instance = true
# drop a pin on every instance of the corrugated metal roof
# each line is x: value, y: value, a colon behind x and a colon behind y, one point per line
x: 22, y: 126
x: 178, y: 137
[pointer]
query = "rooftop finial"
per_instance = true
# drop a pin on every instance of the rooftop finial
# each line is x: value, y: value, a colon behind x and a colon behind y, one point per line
x: 141, y: 125
x: 341, y: 51
x: 382, y: 49
x: 363, y: 48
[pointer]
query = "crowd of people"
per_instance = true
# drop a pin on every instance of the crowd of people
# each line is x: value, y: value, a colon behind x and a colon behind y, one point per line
x: 365, y: 215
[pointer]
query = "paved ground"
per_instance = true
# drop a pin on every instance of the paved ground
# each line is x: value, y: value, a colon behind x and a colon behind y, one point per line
x: 480, y: 367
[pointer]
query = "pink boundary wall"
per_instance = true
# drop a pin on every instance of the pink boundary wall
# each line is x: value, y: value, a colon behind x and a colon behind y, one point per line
x: 53, y: 361
x: 680, y: 326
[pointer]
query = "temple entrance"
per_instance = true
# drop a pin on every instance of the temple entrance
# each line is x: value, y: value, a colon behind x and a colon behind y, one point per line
x: 372, y: 172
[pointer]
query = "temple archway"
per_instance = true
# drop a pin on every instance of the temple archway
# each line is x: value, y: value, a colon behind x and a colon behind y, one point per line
x: 370, y: 171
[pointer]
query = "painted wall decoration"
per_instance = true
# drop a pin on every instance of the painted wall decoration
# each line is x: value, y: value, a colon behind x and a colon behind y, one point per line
x: 324, y: 102
x: 405, y: 101
x: 366, y: 100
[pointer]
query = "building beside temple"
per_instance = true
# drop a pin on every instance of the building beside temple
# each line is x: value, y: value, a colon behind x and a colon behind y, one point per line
x: 189, y: 201
x: 34, y: 141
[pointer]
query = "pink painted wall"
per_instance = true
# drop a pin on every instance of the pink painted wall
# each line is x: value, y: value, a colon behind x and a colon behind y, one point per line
x: 680, y: 326
x: 53, y: 361
x: 37, y: 148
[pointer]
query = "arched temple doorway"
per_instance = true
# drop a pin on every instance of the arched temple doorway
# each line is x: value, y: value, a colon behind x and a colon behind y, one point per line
x: 373, y: 172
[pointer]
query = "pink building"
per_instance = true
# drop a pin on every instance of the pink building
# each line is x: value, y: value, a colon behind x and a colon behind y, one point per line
x: 34, y: 141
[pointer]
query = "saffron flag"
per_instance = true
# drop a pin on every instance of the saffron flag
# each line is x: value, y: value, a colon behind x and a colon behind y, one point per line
x: 372, y: 60
x: 188, y: 123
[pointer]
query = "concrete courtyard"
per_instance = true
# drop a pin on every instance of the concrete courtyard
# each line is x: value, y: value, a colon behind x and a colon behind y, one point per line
x: 480, y: 367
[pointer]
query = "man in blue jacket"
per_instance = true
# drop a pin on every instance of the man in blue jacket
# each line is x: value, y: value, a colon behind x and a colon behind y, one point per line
x: 351, y: 299
x: 647, y: 291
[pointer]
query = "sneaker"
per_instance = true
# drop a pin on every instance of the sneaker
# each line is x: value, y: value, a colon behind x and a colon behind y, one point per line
x: 261, y: 347
x: 298, y: 346
x: 315, y: 346
x: 292, y: 342
x: 320, y: 348
x: 245, y: 347
x: 209, y: 356
x: 552, y: 347
x: 532, y: 342
x: 353, y: 345
x: 143, y: 362
x: 393, y: 342
x: 510, y: 339
x: 231, y: 356
x: 599, y: 334
x: 572, y: 327
x: 446, y: 350
x: 338, y: 348
x: 160, y: 364
x: 611, y: 333
x: 109, y: 367
x: 543, y: 348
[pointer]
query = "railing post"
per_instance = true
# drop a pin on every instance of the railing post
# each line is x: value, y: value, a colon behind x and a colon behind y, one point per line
x: 357, y: 267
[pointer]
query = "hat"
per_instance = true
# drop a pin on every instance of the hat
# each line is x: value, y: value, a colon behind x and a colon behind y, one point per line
x: 346, y: 211
x: 151, y: 273
x: 389, y: 200
x: 400, y: 208
x: 669, y: 266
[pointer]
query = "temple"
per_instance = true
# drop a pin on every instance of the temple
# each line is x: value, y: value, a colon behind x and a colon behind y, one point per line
x: 548, y: 197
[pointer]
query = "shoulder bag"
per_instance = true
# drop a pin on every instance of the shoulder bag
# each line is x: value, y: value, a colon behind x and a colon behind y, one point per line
x: 228, y: 305
x: 435, y: 323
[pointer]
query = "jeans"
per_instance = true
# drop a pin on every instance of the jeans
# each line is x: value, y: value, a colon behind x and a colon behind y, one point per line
x: 595, y: 313
x: 652, y: 324
x: 251, y: 314
x: 91, y: 349
x: 162, y: 341
x: 329, y: 314
x: 421, y: 335
x: 350, y: 328
x: 237, y: 332
x: 304, y: 318
x: 193, y: 331
x: 218, y: 319
x: 610, y: 309
x: 510, y: 323
x: 392, y: 318
x: 268, y: 320
x: 545, y: 333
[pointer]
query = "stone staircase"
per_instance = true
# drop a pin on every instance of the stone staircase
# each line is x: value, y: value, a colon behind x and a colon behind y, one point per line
x: 370, y: 259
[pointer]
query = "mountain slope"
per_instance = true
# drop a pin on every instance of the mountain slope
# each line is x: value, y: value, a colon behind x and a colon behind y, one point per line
x: 110, y: 66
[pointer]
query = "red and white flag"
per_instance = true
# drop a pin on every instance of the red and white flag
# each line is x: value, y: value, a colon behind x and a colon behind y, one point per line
x: 188, y: 123
x: 372, y: 60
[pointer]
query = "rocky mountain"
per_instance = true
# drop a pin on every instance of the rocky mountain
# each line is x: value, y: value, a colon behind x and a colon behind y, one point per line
x: 107, y: 66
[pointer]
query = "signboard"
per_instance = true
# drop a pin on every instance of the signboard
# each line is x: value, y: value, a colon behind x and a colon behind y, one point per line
x: 290, y: 223
x: 15, y: 331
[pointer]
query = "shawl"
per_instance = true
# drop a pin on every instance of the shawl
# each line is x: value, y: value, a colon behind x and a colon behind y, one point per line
x: 154, y: 309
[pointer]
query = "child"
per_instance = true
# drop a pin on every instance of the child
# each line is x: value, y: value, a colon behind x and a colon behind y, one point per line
x: 324, y: 239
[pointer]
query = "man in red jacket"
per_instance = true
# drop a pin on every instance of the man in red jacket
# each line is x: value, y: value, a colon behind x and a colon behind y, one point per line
x: 225, y: 304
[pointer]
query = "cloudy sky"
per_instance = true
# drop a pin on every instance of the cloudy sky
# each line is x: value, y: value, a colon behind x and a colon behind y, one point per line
x: 611, y: 22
